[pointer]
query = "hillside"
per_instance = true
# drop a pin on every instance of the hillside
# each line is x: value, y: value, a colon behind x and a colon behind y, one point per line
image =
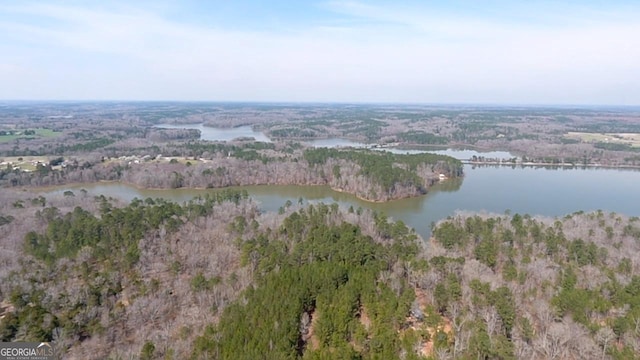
x: 215, y: 278
x: 523, y: 287
x: 161, y: 280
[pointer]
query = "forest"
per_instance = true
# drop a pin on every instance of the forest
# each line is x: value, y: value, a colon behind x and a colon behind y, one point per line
x: 541, y: 134
x: 205, y: 279
x: 522, y: 287
x: 217, y: 277
x: 368, y: 174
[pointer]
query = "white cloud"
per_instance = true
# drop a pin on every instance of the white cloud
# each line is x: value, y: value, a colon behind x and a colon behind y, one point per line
x: 394, y: 55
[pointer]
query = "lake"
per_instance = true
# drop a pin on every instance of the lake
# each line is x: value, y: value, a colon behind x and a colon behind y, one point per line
x: 228, y: 134
x: 460, y: 154
x: 532, y: 190
x: 220, y: 134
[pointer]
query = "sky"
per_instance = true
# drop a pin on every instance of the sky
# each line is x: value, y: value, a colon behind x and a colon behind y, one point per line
x: 433, y: 52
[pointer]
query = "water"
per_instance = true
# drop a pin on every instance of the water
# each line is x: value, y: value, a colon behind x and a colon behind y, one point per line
x: 531, y: 190
x: 466, y: 154
x: 461, y: 154
x: 220, y: 134
x: 335, y: 142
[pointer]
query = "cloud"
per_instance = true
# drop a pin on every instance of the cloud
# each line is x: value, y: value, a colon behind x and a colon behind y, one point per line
x: 366, y: 53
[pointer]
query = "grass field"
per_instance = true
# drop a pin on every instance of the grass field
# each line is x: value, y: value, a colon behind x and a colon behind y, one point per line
x: 40, y: 133
x: 632, y: 139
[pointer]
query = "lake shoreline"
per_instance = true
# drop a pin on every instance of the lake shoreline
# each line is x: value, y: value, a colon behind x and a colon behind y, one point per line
x: 494, y: 189
x: 557, y: 165
x: 50, y: 188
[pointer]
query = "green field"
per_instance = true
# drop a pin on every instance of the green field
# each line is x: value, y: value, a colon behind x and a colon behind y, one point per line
x: 40, y: 133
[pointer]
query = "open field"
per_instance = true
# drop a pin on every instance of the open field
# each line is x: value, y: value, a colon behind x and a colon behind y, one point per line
x: 40, y: 133
x: 25, y: 163
x: 632, y: 139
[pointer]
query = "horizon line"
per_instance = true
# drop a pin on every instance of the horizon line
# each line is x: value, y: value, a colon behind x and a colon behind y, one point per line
x: 312, y: 102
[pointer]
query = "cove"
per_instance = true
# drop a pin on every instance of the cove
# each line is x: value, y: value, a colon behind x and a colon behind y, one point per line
x: 460, y: 154
x: 532, y: 190
x: 220, y: 134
